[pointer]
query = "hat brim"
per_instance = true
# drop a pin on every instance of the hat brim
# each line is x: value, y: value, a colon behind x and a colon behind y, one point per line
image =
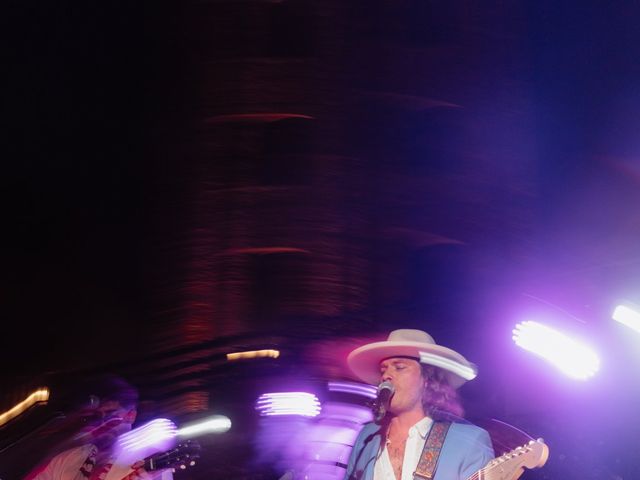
x: 365, y: 361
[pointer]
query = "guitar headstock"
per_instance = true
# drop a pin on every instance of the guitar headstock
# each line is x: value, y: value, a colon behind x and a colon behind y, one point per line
x: 512, y: 464
x: 180, y: 457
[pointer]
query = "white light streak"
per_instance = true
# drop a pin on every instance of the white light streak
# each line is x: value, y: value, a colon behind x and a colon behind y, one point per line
x: 463, y: 371
x: 288, y: 403
x: 214, y: 424
x: 574, y: 359
x: 627, y: 316
x: 156, y: 432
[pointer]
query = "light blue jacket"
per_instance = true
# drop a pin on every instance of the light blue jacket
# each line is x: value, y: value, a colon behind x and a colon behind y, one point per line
x: 466, y: 450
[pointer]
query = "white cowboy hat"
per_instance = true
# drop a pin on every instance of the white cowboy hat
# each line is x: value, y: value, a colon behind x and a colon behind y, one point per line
x: 365, y: 361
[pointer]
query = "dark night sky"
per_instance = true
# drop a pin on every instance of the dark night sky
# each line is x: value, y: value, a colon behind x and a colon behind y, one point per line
x: 95, y: 87
x: 88, y: 102
x: 74, y: 188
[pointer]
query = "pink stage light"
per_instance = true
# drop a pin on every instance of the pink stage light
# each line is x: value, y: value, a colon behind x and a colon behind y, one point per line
x: 627, y: 316
x: 288, y: 403
x: 369, y: 391
x: 575, y: 360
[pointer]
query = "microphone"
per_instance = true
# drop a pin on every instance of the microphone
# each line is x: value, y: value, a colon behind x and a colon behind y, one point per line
x: 385, y: 392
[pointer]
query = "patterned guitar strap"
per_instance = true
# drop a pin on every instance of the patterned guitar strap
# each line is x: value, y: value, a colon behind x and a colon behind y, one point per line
x: 428, y: 463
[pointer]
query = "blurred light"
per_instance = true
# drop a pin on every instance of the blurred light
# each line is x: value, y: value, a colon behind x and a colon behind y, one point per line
x: 369, y: 391
x: 214, y: 424
x: 572, y: 358
x: 627, y: 316
x: 288, y: 403
x: 156, y: 435
x: 40, y: 395
x: 253, y: 354
x: 346, y: 415
x: 463, y: 371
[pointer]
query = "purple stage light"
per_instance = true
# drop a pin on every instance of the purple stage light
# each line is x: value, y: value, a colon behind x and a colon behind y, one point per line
x: 627, y: 316
x: 346, y: 414
x: 369, y: 391
x: 155, y: 436
x: 288, y: 403
x: 572, y: 358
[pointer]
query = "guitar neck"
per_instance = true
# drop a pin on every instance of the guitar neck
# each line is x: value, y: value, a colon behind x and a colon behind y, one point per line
x: 150, y: 464
x: 183, y: 456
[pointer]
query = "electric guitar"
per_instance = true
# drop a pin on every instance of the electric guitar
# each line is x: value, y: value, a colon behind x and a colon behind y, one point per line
x: 512, y: 464
x: 180, y: 457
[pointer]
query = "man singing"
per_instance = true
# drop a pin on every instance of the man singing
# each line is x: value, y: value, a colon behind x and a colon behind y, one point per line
x: 410, y: 439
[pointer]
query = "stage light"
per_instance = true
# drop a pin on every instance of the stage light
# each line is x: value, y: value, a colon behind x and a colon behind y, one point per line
x: 39, y: 396
x: 253, y: 354
x: 214, y: 424
x: 571, y: 357
x: 156, y: 436
x: 158, y: 432
x: 369, y: 391
x: 288, y: 403
x: 627, y: 316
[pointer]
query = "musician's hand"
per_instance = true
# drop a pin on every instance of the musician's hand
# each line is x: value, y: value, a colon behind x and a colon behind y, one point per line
x: 139, y: 473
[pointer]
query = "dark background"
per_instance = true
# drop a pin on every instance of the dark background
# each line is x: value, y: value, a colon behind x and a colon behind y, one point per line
x: 182, y: 179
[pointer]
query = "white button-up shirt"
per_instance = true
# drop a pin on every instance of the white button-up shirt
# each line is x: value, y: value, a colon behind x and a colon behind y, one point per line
x: 383, y: 469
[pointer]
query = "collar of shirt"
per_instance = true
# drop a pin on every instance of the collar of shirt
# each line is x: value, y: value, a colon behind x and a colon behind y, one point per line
x: 383, y: 470
x: 422, y: 428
